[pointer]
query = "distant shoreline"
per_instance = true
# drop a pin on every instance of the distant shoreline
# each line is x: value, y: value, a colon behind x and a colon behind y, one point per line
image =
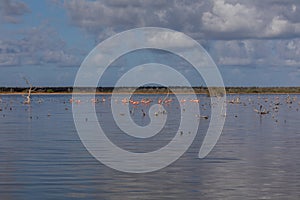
x: 146, y: 90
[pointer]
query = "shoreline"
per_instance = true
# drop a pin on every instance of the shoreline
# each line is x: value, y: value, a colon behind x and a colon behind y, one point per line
x: 146, y: 93
x: 148, y: 90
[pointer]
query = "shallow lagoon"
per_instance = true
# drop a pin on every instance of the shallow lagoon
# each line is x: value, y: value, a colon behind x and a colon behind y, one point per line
x: 256, y: 157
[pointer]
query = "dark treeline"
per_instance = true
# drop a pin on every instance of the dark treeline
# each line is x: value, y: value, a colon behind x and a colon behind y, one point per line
x: 155, y: 89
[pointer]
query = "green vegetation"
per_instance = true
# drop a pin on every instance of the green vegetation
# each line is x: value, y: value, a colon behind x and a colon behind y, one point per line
x: 253, y: 90
x: 49, y: 91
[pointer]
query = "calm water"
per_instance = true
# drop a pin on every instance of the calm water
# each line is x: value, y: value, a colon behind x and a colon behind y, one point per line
x: 257, y: 157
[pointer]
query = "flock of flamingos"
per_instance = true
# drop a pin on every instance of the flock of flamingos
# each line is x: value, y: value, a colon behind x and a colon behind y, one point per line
x: 262, y: 104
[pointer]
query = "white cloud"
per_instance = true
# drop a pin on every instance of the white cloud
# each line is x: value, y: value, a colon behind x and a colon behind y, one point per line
x: 282, y: 27
x: 233, y: 19
x: 227, y: 17
x: 170, y: 40
x: 96, y: 17
x: 215, y: 19
x: 235, y: 32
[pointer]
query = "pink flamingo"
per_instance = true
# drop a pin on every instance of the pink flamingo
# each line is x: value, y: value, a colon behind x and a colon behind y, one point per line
x: 195, y: 100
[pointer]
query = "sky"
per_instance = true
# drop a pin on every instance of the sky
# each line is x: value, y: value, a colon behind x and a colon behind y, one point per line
x: 253, y: 43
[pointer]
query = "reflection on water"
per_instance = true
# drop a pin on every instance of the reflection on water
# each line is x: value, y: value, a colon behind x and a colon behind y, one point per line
x: 257, y: 156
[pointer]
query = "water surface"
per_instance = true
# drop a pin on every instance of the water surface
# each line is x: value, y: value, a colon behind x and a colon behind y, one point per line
x: 256, y: 157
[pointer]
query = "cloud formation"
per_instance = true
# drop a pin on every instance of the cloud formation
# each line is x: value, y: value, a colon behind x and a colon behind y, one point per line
x: 102, y: 18
x: 234, y: 32
x: 252, y: 20
x: 261, y: 53
x: 11, y: 11
x: 36, y: 46
x: 215, y: 19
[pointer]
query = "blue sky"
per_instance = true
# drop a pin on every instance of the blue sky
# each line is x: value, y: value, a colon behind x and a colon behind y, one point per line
x: 254, y: 43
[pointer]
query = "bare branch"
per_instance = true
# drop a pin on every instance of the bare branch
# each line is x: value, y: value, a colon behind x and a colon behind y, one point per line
x: 28, y: 100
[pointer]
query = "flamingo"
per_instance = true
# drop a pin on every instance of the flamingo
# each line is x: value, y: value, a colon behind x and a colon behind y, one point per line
x: 167, y: 101
x: 159, y: 101
x: 195, y: 100
x: 182, y: 101
x: 94, y: 100
x: 146, y: 101
x: 125, y: 100
x: 134, y: 102
x: 75, y: 101
x: 78, y: 101
x: 235, y: 101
